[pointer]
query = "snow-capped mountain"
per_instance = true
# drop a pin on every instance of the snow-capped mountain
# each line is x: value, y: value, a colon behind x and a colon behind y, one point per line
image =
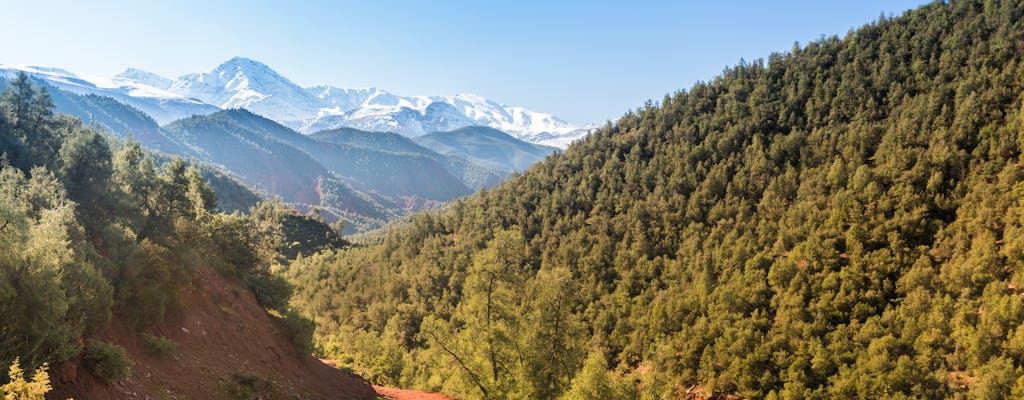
x: 244, y: 83
x: 132, y: 75
x: 132, y: 87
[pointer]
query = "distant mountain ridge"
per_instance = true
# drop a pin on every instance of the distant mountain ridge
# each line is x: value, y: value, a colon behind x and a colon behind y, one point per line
x: 366, y: 178
x: 245, y: 83
x: 488, y: 147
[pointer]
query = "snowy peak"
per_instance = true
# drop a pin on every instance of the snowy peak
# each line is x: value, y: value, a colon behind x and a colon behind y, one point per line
x: 132, y: 75
x: 336, y: 101
x: 130, y: 88
x: 245, y: 83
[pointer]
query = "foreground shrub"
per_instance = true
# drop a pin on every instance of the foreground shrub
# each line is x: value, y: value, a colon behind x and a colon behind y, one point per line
x: 297, y: 328
x: 246, y: 386
x: 107, y: 361
x: 272, y: 291
x: 20, y: 389
x: 159, y: 345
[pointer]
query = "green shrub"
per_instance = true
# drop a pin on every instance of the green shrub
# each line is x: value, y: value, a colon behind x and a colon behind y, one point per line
x: 107, y: 361
x: 246, y: 386
x: 151, y: 283
x: 272, y: 291
x: 159, y: 345
x: 298, y: 328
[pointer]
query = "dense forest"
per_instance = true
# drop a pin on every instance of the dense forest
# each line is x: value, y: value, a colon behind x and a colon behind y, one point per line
x: 844, y: 220
x: 93, y: 229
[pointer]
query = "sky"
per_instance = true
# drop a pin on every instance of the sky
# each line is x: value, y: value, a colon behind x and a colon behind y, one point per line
x: 583, y: 61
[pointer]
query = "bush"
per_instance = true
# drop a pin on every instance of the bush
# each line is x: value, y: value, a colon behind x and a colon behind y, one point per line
x: 247, y: 386
x: 297, y: 328
x: 107, y: 361
x: 21, y: 389
x: 271, y: 290
x: 159, y: 345
x: 151, y: 284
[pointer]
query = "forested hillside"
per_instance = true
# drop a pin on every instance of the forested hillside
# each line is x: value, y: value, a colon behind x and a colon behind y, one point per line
x: 98, y: 245
x: 845, y: 220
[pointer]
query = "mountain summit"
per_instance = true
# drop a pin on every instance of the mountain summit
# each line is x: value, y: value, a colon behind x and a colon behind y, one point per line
x: 245, y: 83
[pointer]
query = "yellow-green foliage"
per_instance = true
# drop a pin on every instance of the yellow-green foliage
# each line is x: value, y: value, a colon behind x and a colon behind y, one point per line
x: 842, y: 221
x: 20, y: 389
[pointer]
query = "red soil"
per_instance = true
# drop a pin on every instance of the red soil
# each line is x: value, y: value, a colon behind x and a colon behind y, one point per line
x: 222, y: 333
x: 405, y: 394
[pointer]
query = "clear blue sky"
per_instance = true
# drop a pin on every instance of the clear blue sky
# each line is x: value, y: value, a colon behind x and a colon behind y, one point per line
x: 585, y: 61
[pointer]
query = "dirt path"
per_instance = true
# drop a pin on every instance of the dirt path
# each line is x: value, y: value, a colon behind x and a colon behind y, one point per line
x: 406, y: 394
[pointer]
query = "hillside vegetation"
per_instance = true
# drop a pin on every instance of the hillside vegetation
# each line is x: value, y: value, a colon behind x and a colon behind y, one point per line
x: 845, y: 220
x: 96, y: 238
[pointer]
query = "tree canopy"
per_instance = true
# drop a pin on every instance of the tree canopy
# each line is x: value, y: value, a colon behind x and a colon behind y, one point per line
x: 92, y: 229
x: 845, y: 220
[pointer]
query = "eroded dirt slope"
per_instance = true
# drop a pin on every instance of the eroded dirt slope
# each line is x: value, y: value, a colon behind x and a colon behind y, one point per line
x: 228, y: 347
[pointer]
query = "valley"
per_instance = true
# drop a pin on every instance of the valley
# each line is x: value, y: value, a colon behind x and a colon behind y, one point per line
x: 363, y: 178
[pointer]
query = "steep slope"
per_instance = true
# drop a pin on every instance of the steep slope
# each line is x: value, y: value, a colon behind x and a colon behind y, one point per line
x: 382, y: 141
x: 842, y: 221
x: 488, y: 147
x: 123, y: 275
x: 227, y: 345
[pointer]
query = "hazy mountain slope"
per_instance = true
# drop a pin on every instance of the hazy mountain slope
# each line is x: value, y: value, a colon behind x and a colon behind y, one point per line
x: 113, y: 117
x: 841, y: 221
x: 472, y: 175
x: 488, y: 147
x: 387, y: 173
x: 120, y: 120
x: 381, y: 141
x: 258, y: 159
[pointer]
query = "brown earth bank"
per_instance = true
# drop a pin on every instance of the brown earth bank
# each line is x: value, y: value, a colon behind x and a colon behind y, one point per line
x: 406, y: 394
x: 228, y: 348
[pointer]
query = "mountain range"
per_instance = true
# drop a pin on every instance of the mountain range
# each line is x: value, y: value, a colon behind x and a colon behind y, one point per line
x: 366, y: 178
x: 245, y: 83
